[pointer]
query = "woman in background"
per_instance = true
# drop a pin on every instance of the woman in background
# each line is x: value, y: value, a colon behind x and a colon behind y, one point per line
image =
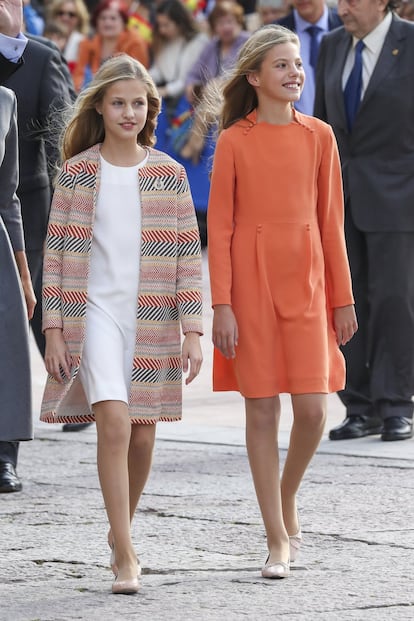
x: 176, y: 43
x: 112, y: 36
x: 74, y: 16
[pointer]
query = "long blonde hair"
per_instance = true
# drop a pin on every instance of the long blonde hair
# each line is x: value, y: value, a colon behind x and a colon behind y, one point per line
x: 86, y: 128
x: 239, y: 97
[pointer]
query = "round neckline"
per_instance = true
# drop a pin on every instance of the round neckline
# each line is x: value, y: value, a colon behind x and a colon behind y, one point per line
x: 252, y: 117
x: 141, y: 163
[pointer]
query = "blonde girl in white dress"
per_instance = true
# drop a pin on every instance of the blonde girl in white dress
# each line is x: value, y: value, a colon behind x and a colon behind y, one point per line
x: 107, y: 148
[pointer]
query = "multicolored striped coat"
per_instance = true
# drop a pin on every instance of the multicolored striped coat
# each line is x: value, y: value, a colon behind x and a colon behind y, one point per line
x: 169, y: 288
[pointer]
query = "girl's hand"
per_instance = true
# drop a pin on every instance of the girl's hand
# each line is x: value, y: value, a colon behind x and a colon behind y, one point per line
x: 25, y: 279
x: 29, y: 296
x: 345, y: 323
x: 58, y: 360
x: 191, y: 353
x: 225, y: 330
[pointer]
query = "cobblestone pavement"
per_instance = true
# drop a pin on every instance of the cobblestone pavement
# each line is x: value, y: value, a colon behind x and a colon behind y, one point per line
x: 198, y: 532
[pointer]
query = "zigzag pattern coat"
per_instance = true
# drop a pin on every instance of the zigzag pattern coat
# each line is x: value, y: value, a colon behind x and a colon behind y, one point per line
x: 169, y: 288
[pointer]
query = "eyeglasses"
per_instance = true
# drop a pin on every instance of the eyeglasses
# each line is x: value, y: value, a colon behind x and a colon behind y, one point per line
x: 67, y: 13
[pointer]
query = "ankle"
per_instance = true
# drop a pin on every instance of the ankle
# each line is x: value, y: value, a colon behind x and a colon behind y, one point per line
x: 290, y: 516
x: 279, y: 551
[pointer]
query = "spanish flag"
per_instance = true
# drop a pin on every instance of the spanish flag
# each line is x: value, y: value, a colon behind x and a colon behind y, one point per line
x: 141, y: 25
x: 194, y: 6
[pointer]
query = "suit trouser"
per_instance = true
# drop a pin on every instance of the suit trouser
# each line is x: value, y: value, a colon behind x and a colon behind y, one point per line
x: 9, y: 452
x: 380, y: 357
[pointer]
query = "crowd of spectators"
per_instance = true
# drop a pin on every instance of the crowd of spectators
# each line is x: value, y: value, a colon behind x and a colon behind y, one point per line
x: 186, y: 44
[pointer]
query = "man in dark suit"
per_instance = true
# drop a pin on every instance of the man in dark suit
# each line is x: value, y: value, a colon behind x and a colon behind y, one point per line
x: 365, y: 90
x: 311, y: 20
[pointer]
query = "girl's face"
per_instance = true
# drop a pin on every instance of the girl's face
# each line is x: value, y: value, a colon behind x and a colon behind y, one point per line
x: 227, y: 28
x: 68, y: 15
x: 124, y: 109
x: 281, y: 76
x: 167, y: 28
x: 110, y: 23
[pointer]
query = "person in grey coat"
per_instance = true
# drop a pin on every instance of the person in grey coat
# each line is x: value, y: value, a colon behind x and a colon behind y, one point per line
x: 17, y: 301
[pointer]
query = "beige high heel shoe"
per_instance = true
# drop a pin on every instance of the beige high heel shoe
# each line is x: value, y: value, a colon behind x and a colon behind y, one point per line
x: 124, y: 587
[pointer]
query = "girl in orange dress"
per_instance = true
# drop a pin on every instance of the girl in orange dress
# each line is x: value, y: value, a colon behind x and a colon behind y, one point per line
x: 280, y: 280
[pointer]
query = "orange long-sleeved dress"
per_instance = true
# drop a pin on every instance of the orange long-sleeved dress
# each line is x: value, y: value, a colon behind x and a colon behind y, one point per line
x: 277, y: 255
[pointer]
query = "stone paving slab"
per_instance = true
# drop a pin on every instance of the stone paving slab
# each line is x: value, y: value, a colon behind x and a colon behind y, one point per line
x: 201, y: 542
x: 198, y: 532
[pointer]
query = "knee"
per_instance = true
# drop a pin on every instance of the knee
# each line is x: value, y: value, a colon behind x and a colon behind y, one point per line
x: 262, y: 415
x: 142, y: 438
x: 313, y: 416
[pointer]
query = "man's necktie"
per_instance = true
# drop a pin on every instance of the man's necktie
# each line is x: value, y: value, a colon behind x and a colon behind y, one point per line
x: 353, y: 86
x: 314, y: 45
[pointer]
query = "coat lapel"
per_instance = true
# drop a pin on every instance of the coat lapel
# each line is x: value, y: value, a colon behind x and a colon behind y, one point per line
x: 340, y: 58
x: 388, y: 58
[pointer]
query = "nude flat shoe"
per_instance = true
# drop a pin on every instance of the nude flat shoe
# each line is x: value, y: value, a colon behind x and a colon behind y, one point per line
x: 276, y: 570
x: 126, y: 587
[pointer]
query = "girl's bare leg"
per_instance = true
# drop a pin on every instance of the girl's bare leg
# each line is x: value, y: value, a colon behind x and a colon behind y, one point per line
x: 114, y: 433
x: 309, y: 415
x: 262, y: 423
x: 140, y: 452
x: 139, y: 462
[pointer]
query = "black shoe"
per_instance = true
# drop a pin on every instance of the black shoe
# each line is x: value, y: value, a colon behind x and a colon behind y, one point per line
x: 75, y: 426
x: 356, y: 427
x: 9, y: 481
x: 397, y: 428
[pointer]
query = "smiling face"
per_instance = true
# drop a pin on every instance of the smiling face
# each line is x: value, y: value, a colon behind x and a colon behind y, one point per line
x: 124, y: 110
x: 68, y: 16
x: 281, y: 76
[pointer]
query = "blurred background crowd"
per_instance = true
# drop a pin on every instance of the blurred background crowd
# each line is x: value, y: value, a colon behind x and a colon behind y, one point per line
x: 186, y: 44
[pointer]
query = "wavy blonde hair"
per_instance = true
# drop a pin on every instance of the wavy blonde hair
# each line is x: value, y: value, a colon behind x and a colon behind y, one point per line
x: 239, y: 97
x: 85, y: 128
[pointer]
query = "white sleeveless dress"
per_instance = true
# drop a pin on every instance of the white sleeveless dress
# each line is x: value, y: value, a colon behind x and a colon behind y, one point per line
x: 107, y: 357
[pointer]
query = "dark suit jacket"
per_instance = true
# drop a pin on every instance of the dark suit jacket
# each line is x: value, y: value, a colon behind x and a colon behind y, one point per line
x: 42, y: 93
x: 334, y: 21
x: 7, y: 68
x: 378, y: 156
